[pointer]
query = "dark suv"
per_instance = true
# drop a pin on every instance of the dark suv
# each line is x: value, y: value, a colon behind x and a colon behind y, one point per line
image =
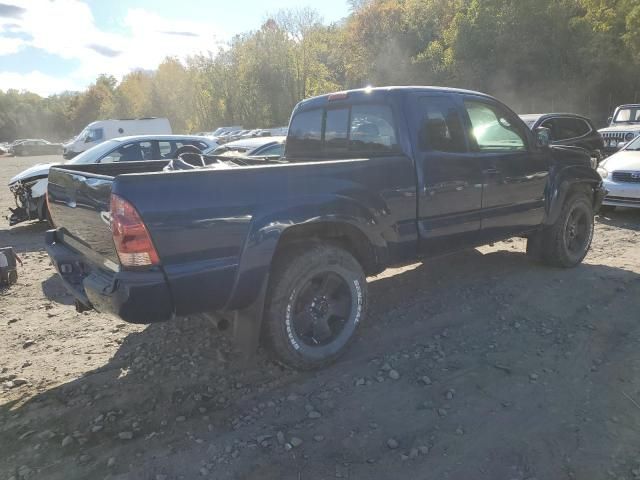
x: 569, y: 129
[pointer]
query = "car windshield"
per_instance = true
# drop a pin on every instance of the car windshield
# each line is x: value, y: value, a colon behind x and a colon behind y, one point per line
x: 628, y: 115
x: 93, y: 154
x: 634, y: 144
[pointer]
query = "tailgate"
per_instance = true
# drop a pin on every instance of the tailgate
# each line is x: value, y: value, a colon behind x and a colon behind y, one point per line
x: 79, y: 206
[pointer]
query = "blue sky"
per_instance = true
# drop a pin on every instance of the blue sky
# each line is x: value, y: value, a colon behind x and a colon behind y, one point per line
x: 48, y: 46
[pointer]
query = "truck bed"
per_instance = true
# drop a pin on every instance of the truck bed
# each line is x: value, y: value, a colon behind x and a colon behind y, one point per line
x: 203, y: 221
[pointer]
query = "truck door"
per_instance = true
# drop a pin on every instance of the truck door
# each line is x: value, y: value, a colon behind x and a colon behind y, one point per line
x: 514, y: 170
x: 449, y: 175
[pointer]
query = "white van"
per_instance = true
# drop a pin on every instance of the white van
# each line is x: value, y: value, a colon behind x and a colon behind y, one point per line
x: 102, y: 130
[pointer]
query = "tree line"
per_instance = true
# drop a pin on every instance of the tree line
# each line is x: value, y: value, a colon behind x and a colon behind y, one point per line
x: 536, y: 55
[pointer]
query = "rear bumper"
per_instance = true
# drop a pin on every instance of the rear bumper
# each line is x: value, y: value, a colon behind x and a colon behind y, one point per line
x: 136, y: 297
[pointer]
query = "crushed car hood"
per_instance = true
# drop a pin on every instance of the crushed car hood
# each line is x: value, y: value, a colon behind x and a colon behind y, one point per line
x: 37, y: 171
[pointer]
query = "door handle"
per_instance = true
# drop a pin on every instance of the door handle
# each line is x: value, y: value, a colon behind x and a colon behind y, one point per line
x: 491, y: 171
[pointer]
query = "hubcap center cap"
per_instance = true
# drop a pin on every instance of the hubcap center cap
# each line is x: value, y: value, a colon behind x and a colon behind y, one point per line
x: 319, y: 307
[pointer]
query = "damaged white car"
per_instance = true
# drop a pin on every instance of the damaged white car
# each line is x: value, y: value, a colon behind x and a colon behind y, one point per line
x: 29, y: 187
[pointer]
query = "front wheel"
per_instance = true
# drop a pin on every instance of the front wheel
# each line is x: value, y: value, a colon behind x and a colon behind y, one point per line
x: 317, y: 299
x: 567, y: 241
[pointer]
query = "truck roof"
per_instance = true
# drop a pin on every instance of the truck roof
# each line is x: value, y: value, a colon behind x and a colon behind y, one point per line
x: 382, y: 91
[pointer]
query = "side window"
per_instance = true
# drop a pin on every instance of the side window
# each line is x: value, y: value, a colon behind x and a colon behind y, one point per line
x: 551, y: 125
x: 147, y: 150
x: 567, y: 128
x: 95, y: 134
x: 372, y: 130
x: 440, y: 126
x: 167, y: 148
x: 336, y: 131
x: 273, y: 150
x: 305, y: 134
x: 492, y: 129
x: 132, y: 152
x: 582, y: 127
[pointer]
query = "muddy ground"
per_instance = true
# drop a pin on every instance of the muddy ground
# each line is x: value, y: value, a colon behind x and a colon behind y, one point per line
x: 478, y: 365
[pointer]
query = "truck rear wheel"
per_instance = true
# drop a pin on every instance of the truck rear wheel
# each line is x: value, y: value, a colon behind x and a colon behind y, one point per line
x: 317, y: 299
x: 567, y: 241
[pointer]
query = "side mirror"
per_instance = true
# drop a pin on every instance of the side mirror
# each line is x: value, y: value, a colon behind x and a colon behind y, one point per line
x: 543, y: 137
x: 609, y: 119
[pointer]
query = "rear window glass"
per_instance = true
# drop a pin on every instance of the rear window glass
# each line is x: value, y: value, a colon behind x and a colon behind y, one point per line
x: 342, y: 133
x: 336, y: 131
x: 305, y: 134
x: 372, y: 129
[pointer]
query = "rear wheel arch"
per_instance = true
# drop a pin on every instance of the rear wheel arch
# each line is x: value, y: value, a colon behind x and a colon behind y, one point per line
x: 342, y: 234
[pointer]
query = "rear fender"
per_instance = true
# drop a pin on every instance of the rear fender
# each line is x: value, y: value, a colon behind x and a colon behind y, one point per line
x: 268, y: 228
x: 568, y: 180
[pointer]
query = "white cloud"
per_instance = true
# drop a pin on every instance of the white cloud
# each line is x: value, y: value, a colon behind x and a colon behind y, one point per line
x: 67, y: 29
x: 36, y: 82
x: 10, y: 45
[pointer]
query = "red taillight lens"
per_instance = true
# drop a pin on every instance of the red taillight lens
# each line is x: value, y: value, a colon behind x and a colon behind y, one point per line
x: 130, y: 235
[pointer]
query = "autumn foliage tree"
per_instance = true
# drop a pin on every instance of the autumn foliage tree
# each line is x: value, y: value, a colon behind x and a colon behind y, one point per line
x: 536, y: 55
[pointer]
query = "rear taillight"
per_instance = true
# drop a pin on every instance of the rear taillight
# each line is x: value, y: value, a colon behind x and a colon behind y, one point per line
x: 130, y: 235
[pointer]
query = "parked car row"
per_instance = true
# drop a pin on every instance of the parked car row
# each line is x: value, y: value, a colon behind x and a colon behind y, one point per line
x: 230, y: 134
x: 30, y: 147
x: 272, y: 147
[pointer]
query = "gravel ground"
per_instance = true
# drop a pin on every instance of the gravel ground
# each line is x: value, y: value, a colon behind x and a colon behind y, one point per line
x: 478, y: 365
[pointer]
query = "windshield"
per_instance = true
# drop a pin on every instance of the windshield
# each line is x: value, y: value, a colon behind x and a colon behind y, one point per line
x: 627, y: 115
x: 95, y: 153
x: 633, y: 144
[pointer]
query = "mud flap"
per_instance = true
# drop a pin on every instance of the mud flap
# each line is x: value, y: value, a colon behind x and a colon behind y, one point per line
x: 247, y: 325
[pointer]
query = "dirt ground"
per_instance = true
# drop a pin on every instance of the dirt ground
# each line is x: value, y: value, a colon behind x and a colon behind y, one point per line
x: 478, y: 365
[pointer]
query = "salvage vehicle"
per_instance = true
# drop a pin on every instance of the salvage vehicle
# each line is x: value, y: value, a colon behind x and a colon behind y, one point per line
x: 28, y: 148
x: 621, y: 177
x: 371, y: 178
x: 570, y: 129
x: 29, y: 187
x: 251, y: 147
x: 103, y: 130
x: 624, y: 126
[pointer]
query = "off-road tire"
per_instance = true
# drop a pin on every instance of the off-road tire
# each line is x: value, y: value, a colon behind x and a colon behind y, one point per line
x: 293, y: 268
x: 551, y: 245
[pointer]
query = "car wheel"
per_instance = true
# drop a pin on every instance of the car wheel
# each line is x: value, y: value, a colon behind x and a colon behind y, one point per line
x: 316, y: 301
x: 567, y: 241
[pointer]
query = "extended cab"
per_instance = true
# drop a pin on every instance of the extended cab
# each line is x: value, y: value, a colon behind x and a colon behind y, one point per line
x: 370, y: 178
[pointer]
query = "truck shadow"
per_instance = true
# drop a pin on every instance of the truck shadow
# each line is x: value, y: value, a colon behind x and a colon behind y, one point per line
x: 54, y: 290
x: 177, y: 377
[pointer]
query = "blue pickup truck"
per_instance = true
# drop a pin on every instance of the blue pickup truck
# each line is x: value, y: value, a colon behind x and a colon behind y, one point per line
x: 370, y: 178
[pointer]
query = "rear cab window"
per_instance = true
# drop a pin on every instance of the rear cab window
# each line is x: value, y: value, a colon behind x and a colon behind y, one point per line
x: 343, y: 132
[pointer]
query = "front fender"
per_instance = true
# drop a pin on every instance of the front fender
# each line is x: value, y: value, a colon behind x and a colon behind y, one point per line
x: 267, y: 229
x: 563, y: 180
